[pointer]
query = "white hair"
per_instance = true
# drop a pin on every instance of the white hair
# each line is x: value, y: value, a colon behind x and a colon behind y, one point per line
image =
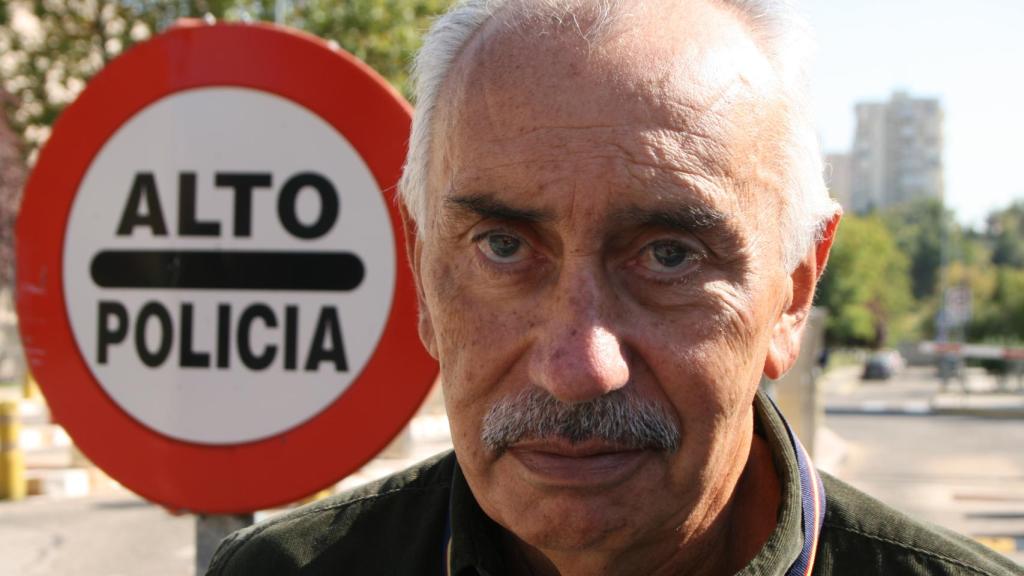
x: 775, y: 26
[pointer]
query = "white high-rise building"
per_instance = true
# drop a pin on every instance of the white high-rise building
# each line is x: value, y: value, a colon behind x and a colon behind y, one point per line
x: 897, y: 153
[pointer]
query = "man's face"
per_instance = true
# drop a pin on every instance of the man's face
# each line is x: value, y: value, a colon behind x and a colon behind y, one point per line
x: 603, y: 218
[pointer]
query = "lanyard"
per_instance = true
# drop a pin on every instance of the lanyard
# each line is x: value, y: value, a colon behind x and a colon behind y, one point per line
x: 446, y: 552
x: 812, y: 506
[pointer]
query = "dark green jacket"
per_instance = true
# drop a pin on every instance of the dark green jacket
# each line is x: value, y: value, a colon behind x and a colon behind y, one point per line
x: 397, y: 527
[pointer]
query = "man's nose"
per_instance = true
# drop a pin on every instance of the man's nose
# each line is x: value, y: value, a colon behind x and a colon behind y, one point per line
x: 578, y: 355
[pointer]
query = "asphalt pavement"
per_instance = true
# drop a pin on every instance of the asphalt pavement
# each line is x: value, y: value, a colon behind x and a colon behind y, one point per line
x: 115, y: 534
x: 953, y: 456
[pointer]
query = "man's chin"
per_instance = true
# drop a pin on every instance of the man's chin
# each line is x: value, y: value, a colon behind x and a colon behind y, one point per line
x: 570, y: 524
x: 577, y: 500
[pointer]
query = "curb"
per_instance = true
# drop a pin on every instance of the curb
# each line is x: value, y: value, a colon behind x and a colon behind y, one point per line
x: 925, y: 409
x: 993, y: 413
x: 879, y: 408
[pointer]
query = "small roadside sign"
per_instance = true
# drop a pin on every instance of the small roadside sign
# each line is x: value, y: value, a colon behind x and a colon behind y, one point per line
x: 212, y: 284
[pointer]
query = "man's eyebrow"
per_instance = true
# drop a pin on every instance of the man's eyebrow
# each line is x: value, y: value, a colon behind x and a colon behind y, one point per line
x: 682, y: 218
x: 494, y: 209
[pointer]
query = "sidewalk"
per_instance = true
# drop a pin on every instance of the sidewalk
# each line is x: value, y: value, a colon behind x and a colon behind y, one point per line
x: 919, y: 391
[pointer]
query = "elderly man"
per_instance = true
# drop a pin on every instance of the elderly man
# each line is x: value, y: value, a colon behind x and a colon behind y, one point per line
x: 616, y: 220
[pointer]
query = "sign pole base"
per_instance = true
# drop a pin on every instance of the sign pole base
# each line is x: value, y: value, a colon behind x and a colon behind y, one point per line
x: 210, y: 530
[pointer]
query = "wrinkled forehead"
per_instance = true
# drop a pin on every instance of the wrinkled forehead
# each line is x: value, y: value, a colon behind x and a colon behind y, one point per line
x: 690, y: 67
x: 684, y: 62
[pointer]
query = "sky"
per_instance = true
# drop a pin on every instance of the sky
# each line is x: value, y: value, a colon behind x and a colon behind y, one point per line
x: 969, y: 55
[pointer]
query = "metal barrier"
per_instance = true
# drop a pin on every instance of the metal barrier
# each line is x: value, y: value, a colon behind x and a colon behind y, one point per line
x: 951, y: 357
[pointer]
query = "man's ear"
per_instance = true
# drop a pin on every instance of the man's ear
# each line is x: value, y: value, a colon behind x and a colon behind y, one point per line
x: 784, y: 346
x: 414, y: 249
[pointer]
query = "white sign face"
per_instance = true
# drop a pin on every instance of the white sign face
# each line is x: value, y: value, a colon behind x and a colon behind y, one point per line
x: 229, y: 265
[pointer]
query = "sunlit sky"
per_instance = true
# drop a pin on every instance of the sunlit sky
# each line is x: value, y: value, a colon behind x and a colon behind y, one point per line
x: 970, y: 55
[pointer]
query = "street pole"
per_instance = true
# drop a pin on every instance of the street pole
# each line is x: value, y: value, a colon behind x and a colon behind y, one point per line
x: 210, y: 530
x: 942, y: 320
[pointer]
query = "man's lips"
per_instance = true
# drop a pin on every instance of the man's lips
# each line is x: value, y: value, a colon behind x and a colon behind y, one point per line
x: 592, y: 463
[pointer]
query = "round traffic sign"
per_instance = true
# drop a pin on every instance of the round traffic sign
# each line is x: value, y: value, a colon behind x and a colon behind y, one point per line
x: 212, y: 287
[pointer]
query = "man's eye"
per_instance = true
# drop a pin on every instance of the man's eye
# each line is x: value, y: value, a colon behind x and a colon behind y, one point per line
x: 665, y: 256
x: 502, y: 248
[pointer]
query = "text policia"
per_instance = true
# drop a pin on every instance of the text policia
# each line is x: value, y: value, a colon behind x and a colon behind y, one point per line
x: 222, y: 269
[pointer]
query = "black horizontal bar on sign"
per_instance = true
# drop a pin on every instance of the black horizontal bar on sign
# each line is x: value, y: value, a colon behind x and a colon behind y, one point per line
x: 221, y: 269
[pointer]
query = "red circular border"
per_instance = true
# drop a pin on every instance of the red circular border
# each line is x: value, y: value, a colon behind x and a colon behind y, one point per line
x: 254, y: 475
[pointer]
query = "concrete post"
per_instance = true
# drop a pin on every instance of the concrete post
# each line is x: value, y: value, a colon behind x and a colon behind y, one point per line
x: 797, y: 392
x: 12, y: 459
x: 210, y: 530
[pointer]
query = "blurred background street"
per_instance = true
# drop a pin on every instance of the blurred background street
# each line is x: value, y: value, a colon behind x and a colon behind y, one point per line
x: 962, y: 468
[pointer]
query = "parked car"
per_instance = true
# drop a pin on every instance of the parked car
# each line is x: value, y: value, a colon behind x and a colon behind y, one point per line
x: 882, y: 364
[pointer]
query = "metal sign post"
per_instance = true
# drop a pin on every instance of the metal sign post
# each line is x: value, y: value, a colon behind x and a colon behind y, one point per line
x: 210, y: 530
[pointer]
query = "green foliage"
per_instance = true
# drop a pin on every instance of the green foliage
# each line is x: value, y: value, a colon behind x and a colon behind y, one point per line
x: 917, y: 228
x: 383, y: 33
x: 996, y: 278
x: 866, y: 286
x: 1006, y: 231
x: 53, y: 47
x: 939, y: 254
x: 999, y: 312
x: 12, y: 178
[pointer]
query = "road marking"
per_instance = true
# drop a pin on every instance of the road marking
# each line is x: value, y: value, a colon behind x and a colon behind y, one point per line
x: 917, y: 408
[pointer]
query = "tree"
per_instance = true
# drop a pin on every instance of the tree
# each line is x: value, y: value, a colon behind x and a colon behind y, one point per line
x: 999, y: 308
x: 918, y: 228
x: 12, y: 178
x: 866, y: 286
x: 53, y: 47
x: 383, y: 33
x: 1006, y: 234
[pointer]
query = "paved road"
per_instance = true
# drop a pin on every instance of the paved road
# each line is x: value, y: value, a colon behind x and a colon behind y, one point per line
x: 963, y: 472
x: 113, y: 535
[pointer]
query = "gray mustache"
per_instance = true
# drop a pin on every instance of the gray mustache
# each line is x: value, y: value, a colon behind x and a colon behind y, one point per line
x: 618, y: 417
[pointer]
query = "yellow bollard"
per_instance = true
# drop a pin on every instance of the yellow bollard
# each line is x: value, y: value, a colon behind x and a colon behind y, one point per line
x: 30, y: 388
x: 314, y: 497
x: 12, y: 460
